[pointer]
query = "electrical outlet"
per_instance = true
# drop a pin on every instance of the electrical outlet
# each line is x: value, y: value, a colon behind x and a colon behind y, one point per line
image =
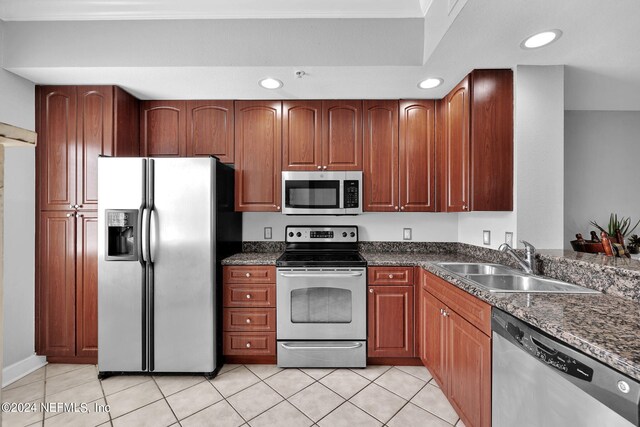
x: 486, y: 237
x: 406, y: 234
x: 508, y: 238
x: 267, y: 233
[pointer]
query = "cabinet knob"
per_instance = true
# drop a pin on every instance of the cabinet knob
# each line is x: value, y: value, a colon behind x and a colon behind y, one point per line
x: 396, y: 208
x: 465, y: 207
x: 69, y: 215
x: 248, y: 274
x: 77, y: 206
x: 248, y: 320
x: 78, y: 215
x: 324, y: 167
x: 370, y: 290
x: 248, y: 345
x: 248, y: 296
x: 319, y: 167
x: 401, y: 208
x: 391, y: 276
x: 277, y: 207
x: 71, y: 206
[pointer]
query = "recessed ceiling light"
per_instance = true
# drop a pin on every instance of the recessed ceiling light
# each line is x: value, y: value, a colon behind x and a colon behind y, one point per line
x: 270, y: 83
x: 430, y: 83
x: 541, y: 39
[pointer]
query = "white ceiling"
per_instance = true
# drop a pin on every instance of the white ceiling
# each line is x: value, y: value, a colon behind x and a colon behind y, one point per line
x: 70, y: 10
x: 362, y: 58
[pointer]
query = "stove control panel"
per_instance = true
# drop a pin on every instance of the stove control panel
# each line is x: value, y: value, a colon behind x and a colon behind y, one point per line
x: 319, y: 234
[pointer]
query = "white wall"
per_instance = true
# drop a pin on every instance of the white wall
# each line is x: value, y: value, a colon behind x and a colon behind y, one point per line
x: 17, y: 107
x: 426, y: 227
x: 602, y: 173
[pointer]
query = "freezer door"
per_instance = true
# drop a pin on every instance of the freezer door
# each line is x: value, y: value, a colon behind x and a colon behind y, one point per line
x: 182, y: 253
x: 121, y: 284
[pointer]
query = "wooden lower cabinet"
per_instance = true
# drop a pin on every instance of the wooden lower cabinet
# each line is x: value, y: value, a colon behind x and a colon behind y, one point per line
x: 68, y: 286
x: 249, y: 314
x: 390, y: 318
x: 457, y: 352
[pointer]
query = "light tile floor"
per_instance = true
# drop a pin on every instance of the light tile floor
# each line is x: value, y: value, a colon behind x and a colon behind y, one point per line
x: 241, y: 395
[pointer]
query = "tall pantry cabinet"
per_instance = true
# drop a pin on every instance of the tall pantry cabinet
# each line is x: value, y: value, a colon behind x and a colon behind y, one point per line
x: 75, y: 125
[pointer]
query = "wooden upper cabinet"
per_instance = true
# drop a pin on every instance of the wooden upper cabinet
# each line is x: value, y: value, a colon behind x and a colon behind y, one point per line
x: 477, y: 143
x: 75, y: 125
x: 381, y: 156
x: 456, y: 155
x: 210, y: 129
x: 342, y: 135
x: 492, y: 140
x: 258, y: 155
x: 56, y: 149
x: 417, y: 156
x: 302, y: 135
x: 95, y: 137
x: 163, y: 128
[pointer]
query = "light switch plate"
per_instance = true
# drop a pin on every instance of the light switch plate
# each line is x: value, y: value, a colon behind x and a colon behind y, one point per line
x: 267, y: 233
x: 406, y: 234
x: 486, y: 237
x: 508, y: 238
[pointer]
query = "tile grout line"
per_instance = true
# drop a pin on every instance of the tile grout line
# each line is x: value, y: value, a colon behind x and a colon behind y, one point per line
x: 164, y: 397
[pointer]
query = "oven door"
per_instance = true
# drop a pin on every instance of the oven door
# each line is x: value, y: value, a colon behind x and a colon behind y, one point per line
x: 319, y: 193
x: 321, y: 304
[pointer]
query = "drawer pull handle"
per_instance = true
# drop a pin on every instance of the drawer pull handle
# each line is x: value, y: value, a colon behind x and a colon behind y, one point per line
x: 248, y: 274
x: 248, y: 296
x: 248, y: 345
x: 391, y: 276
x: 248, y: 320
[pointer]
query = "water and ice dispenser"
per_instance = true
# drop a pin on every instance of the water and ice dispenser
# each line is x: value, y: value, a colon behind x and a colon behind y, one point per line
x: 122, y: 235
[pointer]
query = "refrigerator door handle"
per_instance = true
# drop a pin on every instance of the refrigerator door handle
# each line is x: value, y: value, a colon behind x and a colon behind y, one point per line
x: 153, y: 238
x: 145, y: 235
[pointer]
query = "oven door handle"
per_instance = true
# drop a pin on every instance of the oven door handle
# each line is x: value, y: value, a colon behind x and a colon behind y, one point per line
x: 321, y: 347
x: 354, y: 274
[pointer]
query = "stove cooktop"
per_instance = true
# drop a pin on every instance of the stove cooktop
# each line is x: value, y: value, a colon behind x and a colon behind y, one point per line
x: 321, y: 259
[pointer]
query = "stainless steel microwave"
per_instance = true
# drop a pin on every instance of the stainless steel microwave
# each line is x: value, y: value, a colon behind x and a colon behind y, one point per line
x: 322, y: 193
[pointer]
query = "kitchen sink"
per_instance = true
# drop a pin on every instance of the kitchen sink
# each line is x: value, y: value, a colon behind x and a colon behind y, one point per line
x: 526, y: 283
x: 467, y: 268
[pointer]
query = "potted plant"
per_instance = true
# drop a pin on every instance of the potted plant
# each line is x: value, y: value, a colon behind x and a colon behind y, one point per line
x: 634, y: 244
x: 623, y: 224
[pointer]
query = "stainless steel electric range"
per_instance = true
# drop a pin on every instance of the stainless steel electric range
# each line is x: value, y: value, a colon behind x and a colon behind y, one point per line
x: 321, y: 290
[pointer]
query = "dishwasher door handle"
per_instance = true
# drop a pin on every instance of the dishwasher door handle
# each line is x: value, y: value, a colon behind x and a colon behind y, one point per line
x: 320, y: 347
x: 320, y: 275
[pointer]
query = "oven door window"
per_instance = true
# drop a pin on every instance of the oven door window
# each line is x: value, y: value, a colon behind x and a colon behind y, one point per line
x: 312, y: 194
x: 321, y: 305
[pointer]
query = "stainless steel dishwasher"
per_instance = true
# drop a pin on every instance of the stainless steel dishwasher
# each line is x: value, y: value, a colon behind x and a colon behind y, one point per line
x: 539, y: 381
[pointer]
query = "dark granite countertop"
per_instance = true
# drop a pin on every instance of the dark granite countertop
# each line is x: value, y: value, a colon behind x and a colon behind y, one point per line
x: 606, y: 327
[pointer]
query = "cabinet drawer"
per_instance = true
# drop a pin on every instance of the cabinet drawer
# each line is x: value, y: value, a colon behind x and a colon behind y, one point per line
x: 475, y: 311
x: 249, y: 319
x: 250, y: 274
x: 249, y: 343
x: 240, y: 295
x: 390, y: 276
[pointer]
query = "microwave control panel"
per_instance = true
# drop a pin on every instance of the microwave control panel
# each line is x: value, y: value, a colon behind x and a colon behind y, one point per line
x: 351, y: 194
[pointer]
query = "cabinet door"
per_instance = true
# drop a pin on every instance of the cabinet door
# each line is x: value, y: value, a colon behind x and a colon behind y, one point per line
x: 381, y: 156
x: 434, y: 348
x: 56, y: 284
x: 417, y: 156
x: 301, y: 135
x: 492, y: 140
x: 258, y: 155
x: 163, y: 128
x: 469, y: 371
x: 456, y: 155
x: 56, y: 149
x: 342, y: 135
x: 87, y: 284
x: 210, y: 129
x: 390, y: 321
x: 95, y: 137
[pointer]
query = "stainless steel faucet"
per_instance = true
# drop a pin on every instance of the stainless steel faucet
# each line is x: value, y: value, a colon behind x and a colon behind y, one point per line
x: 528, y: 264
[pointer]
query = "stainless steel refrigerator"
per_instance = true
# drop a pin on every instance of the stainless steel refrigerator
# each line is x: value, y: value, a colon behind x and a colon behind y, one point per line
x: 164, y: 225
